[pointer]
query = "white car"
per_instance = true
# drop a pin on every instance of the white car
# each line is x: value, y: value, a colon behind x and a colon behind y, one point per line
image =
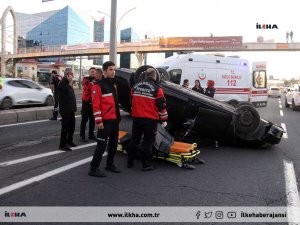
x: 274, y: 92
x: 292, y: 97
x: 17, y: 91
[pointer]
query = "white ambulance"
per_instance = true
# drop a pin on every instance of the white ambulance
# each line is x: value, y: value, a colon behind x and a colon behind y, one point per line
x: 233, y: 81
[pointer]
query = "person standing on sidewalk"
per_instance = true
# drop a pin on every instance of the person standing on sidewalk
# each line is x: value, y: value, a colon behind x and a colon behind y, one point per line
x: 107, y: 116
x: 148, y: 107
x: 53, y: 85
x: 291, y: 36
x: 86, y: 109
x: 67, y: 109
x: 98, y: 75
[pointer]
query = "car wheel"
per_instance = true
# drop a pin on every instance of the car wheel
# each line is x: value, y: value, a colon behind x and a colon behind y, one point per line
x: 164, y: 75
x: 294, y: 107
x: 49, y: 101
x: 248, y: 119
x: 286, y: 103
x: 244, y: 103
x: 140, y: 75
x: 234, y: 103
x: 6, y: 104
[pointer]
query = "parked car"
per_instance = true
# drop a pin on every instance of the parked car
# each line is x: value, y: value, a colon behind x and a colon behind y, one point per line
x: 274, y: 92
x: 191, y: 113
x: 292, y: 97
x: 17, y: 91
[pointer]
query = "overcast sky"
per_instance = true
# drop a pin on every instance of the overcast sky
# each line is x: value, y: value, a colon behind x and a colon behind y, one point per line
x: 171, y: 18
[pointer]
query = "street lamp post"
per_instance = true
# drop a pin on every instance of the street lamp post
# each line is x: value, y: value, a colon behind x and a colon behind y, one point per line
x: 113, y: 29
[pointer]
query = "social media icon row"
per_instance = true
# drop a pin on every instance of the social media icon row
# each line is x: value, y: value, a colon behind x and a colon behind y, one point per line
x: 217, y: 214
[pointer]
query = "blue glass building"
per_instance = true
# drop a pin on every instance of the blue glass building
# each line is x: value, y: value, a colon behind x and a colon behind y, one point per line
x: 62, y: 27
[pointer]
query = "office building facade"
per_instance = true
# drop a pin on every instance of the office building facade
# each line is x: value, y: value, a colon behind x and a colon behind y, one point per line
x: 59, y: 27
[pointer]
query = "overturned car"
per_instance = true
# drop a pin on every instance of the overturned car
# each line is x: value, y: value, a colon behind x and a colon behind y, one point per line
x: 194, y: 114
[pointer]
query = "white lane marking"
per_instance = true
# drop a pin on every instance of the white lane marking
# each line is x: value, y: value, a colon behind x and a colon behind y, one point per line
x: 281, y: 113
x: 280, y: 106
x: 43, y: 176
x: 12, y: 162
x: 285, y: 135
x: 293, y: 200
x: 279, y: 100
x: 30, y: 122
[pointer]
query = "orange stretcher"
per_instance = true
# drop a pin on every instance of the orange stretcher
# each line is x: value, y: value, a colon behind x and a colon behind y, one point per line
x: 180, y: 153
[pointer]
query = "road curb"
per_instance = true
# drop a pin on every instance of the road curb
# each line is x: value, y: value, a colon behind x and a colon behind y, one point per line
x: 28, y: 114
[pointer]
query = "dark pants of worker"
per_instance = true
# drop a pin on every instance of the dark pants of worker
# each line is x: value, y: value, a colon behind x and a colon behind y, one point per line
x: 87, y: 114
x: 109, y: 134
x: 55, y: 111
x: 67, y: 128
x: 148, y: 128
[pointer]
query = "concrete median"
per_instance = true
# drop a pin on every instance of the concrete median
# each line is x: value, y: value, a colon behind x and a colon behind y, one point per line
x: 28, y: 114
x: 8, y: 116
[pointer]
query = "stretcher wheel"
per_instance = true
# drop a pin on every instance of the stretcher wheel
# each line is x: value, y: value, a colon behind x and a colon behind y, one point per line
x: 188, y: 166
x: 198, y: 161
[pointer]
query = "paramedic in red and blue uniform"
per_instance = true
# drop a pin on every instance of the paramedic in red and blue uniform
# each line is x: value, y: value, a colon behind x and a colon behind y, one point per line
x: 107, y: 116
x: 86, y: 109
x: 148, y: 108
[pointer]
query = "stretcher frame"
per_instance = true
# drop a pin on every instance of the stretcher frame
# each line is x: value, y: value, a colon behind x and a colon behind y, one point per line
x: 183, y: 159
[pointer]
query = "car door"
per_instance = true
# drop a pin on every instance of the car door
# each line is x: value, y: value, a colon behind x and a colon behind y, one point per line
x: 33, y: 94
x: 17, y: 91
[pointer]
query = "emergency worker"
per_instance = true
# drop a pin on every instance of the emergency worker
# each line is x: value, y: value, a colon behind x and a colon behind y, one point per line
x: 86, y: 109
x: 54, y: 85
x: 67, y: 109
x: 148, y: 107
x: 107, y: 116
x: 98, y: 75
x: 210, y: 89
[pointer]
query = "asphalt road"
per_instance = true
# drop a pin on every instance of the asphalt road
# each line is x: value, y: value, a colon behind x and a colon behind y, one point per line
x: 231, y: 176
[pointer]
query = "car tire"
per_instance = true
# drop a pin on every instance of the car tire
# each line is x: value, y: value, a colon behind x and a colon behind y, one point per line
x: 233, y: 102
x: 294, y: 107
x: 164, y: 75
x: 49, y: 101
x: 286, y: 103
x: 6, y: 103
x: 140, y: 75
x: 243, y: 103
x: 248, y: 119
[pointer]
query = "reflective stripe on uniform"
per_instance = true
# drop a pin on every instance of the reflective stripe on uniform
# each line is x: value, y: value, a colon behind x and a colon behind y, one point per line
x: 106, y: 95
x: 144, y: 96
x: 164, y: 113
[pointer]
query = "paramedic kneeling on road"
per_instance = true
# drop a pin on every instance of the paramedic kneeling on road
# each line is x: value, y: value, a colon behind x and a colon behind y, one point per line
x: 107, y: 116
x: 148, y: 107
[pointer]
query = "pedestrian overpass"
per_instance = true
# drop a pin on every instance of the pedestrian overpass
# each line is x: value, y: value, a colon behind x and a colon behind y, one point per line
x: 142, y: 47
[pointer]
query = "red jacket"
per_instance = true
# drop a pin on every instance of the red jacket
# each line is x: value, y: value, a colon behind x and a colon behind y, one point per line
x: 105, y: 101
x: 148, y: 101
x: 87, y: 86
